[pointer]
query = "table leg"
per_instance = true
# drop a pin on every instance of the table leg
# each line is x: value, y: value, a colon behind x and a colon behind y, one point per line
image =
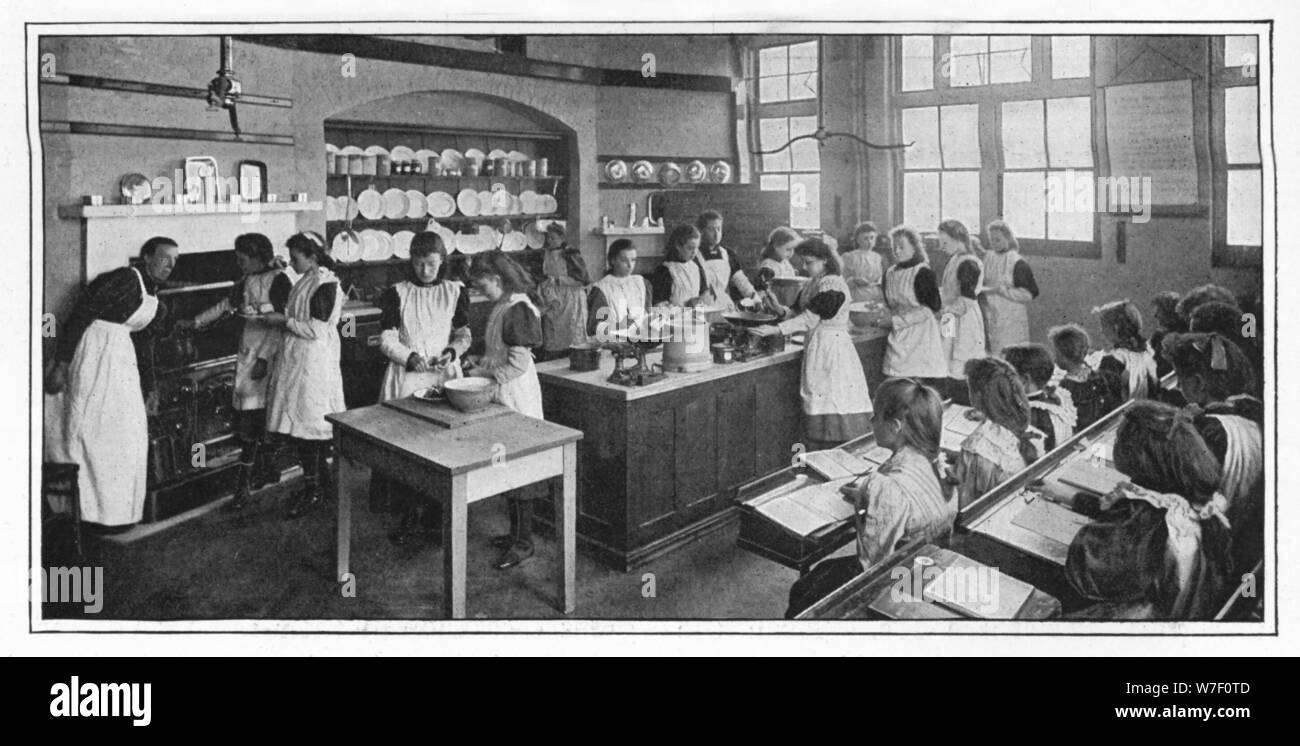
x: 453, y: 549
x: 566, y: 528
x: 343, y: 495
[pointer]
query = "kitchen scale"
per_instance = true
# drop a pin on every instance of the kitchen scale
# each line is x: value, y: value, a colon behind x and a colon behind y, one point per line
x: 641, y: 372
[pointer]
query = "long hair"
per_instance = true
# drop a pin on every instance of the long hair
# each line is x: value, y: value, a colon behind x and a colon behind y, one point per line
x: 680, y: 235
x: 911, y: 235
x: 1224, y: 368
x: 513, y: 278
x: 1124, y: 321
x: 1001, y: 226
x: 817, y: 249
x: 1159, y: 447
x: 1071, y: 343
x: 918, y: 410
x: 996, y: 390
x: 956, y: 230
x: 311, y: 244
x: 257, y: 247
x: 779, y: 236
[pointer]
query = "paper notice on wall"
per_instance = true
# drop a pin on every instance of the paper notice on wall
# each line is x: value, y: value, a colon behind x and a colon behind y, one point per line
x: 1149, y: 135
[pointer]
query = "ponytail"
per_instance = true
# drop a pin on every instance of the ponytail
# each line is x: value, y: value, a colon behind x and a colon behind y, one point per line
x: 918, y: 409
x: 998, y: 392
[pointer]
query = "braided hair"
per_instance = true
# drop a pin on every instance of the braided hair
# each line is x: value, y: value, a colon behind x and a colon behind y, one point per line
x: 997, y: 391
x: 918, y: 409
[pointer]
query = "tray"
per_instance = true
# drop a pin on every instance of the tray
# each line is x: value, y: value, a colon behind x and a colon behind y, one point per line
x: 444, y: 414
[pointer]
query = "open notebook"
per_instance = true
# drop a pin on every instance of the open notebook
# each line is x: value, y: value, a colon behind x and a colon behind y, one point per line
x: 977, y: 590
x: 1053, y: 520
x: 808, y: 509
x: 836, y: 463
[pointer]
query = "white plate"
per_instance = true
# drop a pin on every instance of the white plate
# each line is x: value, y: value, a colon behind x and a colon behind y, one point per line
x: 616, y: 170
x: 720, y: 172
x: 528, y: 202
x: 401, y: 153
x: 427, y: 158
x: 467, y: 202
x: 546, y: 204
x: 467, y: 243
x: 452, y: 158
x: 488, y: 238
x: 642, y: 171
x: 351, y: 150
x: 498, y: 153
x: 514, y: 241
x: 370, y: 245
x: 395, y: 204
x: 534, y: 234
x: 515, y: 155
x: 402, y: 244
x: 485, y: 203
x: 416, y: 204
x: 696, y: 172
x: 371, y: 204
x: 449, y: 237
x: 386, y: 250
x: 329, y: 148
x: 376, y: 150
x: 474, y: 154
x: 441, y: 205
x: 346, y: 247
x: 502, y: 201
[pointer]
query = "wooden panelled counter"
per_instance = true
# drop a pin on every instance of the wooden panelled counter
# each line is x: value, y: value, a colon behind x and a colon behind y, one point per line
x: 660, y: 464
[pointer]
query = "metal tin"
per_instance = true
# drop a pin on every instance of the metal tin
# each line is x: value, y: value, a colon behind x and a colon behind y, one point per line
x: 723, y: 353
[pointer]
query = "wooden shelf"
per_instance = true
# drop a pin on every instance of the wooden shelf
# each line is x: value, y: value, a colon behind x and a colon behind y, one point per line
x: 617, y: 231
x: 656, y: 186
x: 364, y: 222
x: 85, y: 212
x: 441, y: 177
x: 395, y: 262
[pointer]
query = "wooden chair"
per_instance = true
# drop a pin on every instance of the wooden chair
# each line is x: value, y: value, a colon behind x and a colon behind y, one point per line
x: 60, y: 480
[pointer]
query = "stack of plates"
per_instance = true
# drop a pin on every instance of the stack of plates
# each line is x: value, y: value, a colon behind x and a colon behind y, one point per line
x: 395, y: 204
x: 376, y: 246
x: 371, y: 204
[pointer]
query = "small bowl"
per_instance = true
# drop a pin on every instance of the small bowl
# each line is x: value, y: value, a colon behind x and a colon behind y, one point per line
x: 469, y: 394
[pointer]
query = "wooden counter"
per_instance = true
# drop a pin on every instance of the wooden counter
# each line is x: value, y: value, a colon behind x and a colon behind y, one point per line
x: 660, y: 464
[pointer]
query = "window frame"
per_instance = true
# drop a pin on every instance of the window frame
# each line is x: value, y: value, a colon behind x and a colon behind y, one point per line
x: 789, y: 109
x: 1223, y: 77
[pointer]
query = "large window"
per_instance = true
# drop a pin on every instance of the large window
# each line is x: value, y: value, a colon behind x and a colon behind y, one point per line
x: 1239, y: 181
x: 786, y: 81
x: 1002, y: 126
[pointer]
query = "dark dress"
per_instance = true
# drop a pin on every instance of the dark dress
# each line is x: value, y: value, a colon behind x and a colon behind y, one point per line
x: 1095, y: 397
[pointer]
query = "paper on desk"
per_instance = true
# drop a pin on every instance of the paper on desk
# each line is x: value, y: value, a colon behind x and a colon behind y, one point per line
x: 977, y: 590
x: 956, y: 419
x: 1053, y: 520
x: 835, y: 463
x: 1086, y: 476
x: 876, y: 454
x: 807, y: 510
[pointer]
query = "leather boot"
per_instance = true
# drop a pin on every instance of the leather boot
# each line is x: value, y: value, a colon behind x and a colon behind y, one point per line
x: 241, y: 489
x: 306, y: 501
x: 507, y: 540
x: 522, y: 548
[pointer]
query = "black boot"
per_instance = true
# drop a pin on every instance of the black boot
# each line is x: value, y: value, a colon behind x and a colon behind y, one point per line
x: 241, y: 489
x: 522, y: 548
x: 507, y: 540
x: 306, y: 501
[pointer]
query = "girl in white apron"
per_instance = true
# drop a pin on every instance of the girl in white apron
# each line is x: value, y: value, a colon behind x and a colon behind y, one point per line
x: 563, y: 295
x: 513, y: 329
x: 105, y: 418
x: 1051, y: 410
x: 1216, y: 378
x: 836, y: 403
x: 863, y: 266
x: 1008, y: 286
x: 425, y: 333
x: 722, y: 271
x: 914, y: 348
x: 307, y: 383
x: 1158, y: 548
x: 1003, y: 443
x: 620, y: 298
x: 961, y: 323
x: 679, y: 281
x: 1129, y: 358
x: 776, y: 254
x: 264, y: 288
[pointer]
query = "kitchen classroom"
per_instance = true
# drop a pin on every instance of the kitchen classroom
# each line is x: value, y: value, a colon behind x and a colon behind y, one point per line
x: 911, y: 328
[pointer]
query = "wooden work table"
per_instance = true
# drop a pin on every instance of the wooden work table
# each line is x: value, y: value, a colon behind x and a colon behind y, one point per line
x: 660, y: 464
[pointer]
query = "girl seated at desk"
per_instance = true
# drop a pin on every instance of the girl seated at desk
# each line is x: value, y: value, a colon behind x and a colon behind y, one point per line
x: 905, y: 500
x: 1216, y: 378
x: 1167, y: 322
x: 1051, y: 409
x: 1003, y: 443
x: 1158, y: 548
x: 1129, y: 356
x: 1095, y: 393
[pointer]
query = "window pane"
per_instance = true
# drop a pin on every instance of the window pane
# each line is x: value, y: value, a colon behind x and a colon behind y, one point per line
x: 805, y: 201
x: 803, y: 85
x: 1069, y: 132
x: 774, y: 182
x: 803, y: 58
x: 773, y: 89
x: 805, y: 154
x: 921, y: 127
x: 773, y: 133
x: 968, y: 60
x: 1071, y: 56
x: 1011, y: 59
x: 921, y: 200
x: 1245, y: 207
x: 961, y: 199
x: 1241, y: 124
x: 960, y: 130
x: 918, y: 63
x: 771, y: 61
x: 1022, y: 134
x: 1024, y: 203
x: 1240, y: 50
x: 1070, y: 212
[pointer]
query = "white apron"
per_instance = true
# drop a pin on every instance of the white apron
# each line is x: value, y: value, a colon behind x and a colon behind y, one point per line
x: 1006, y: 320
x: 717, y: 274
x: 686, y: 281
x: 914, y: 348
x: 1243, y: 464
x: 524, y: 393
x: 833, y: 382
x: 256, y: 341
x: 961, y: 325
x: 863, y: 264
x: 307, y: 383
x: 780, y: 268
x: 425, y: 329
x: 1063, y: 416
x: 1139, y: 368
x: 625, y: 299
x: 106, y: 424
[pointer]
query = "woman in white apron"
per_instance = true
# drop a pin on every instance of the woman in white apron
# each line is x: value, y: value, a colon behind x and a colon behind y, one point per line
x: 307, y: 383
x: 1008, y: 286
x: 105, y: 416
x: 264, y: 288
x: 620, y: 298
x: 679, y: 280
x: 914, y: 348
x: 833, y: 388
x: 863, y: 268
x: 1130, y: 358
x: 513, y: 328
x: 722, y: 271
x: 961, y: 323
x: 425, y: 333
x: 563, y: 295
